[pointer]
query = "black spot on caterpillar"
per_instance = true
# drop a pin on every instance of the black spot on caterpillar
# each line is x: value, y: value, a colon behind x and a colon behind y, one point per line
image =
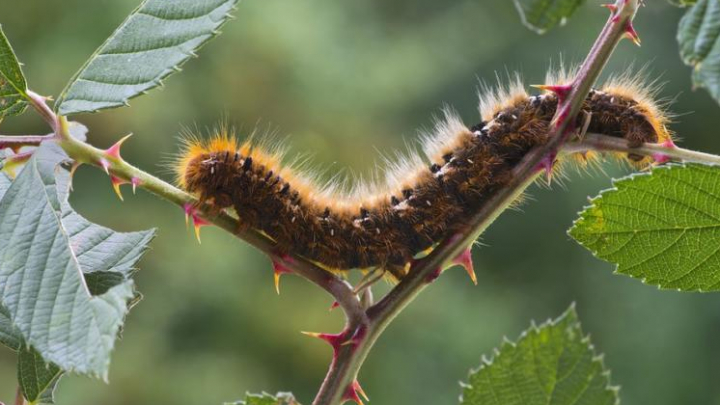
x: 422, y: 202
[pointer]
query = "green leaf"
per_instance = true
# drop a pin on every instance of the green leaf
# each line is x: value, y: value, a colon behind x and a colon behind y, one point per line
x: 661, y: 227
x: 698, y: 36
x: 542, y: 15
x: 281, y: 398
x: 550, y: 365
x: 150, y: 45
x: 37, y: 379
x: 41, y: 269
x: 12, y: 81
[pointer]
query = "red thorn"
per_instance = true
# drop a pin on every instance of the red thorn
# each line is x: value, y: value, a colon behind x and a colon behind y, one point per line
x: 562, y: 91
x: 631, y: 34
x: 279, y: 269
x: 198, y: 222
x: 335, y: 340
x: 611, y: 7
x: 546, y: 164
x: 116, y: 183
x: 114, y: 151
x: 465, y: 259
x: 135, y: 182
x: 351, y: 393
x: 334, y: 305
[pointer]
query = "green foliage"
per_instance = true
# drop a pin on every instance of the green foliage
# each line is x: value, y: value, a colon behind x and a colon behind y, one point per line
x: 281, y: 398
x: 12, y: 81
x: 553, y: 364
x: 698, y: 35
x: 149, y: 46
x: 542, y: 15
x: 37, y: 379
x: 44, y: 249
x: 662, y: 227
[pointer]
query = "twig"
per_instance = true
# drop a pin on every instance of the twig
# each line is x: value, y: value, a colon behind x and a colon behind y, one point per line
x: 600, y: 142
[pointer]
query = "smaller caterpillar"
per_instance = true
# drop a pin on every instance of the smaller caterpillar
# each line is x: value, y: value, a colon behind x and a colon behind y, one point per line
x: 424, y: 199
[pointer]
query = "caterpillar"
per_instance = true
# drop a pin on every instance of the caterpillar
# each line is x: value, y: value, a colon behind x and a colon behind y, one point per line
x: 425, y: 198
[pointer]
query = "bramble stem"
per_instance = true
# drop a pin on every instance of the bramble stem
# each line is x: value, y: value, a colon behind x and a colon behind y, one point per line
x: 349, y: 359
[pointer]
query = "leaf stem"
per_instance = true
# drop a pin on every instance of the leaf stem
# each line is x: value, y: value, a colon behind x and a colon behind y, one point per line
x: 600, y: 142
x: 18, y: 141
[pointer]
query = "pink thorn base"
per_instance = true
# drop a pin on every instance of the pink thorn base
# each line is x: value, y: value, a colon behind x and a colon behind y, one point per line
x: 279, y: 269
x: 661, y: 158
x: 198, y: 222
x: 351, y: 394
x: 465, y: 259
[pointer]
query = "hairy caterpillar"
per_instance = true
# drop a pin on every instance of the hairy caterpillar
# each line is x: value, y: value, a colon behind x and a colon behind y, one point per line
x: 424, y: 199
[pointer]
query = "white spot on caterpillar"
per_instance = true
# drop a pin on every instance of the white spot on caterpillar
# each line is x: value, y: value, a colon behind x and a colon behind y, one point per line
x: 212, y: 169
x: 428, y: 203
x: 332, y: 232
x: 402, y: 206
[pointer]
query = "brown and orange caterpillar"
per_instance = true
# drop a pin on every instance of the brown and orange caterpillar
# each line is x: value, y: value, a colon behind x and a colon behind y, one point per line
x: 423, y: 199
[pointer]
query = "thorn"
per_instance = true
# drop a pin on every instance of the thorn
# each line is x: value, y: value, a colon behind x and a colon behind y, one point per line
x: 114, y: 151
x: 560, y: 90
x: 661, y: 158
x: 359, y: 389
x: 465, y: 259
x: 547, y: 165
x: 631, y: 34
x: 334, y: 305
x: 334, y: 339
x: 611, y: 7
x: 135, y: 182
x: 351, y: 393
x: 105, y: 165
x: 116, y: 183
x: 279, y: 269
x: 197, y: 224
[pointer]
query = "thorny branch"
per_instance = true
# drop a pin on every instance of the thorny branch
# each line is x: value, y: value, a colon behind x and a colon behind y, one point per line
x: 364, y: 326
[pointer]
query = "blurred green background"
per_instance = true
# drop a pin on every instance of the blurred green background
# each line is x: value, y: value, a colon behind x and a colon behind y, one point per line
x: 344, y: 81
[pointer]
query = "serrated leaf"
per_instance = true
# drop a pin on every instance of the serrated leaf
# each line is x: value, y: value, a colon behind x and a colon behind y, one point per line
x: 12, y: 80
x: 281, y: 398
x: 661, y: 227
x: 37, y: 378
x: 699, y: 39
x: 41, y: 281
x: 542, y: 15
x: 552, y: 364
x: 150, y: 45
